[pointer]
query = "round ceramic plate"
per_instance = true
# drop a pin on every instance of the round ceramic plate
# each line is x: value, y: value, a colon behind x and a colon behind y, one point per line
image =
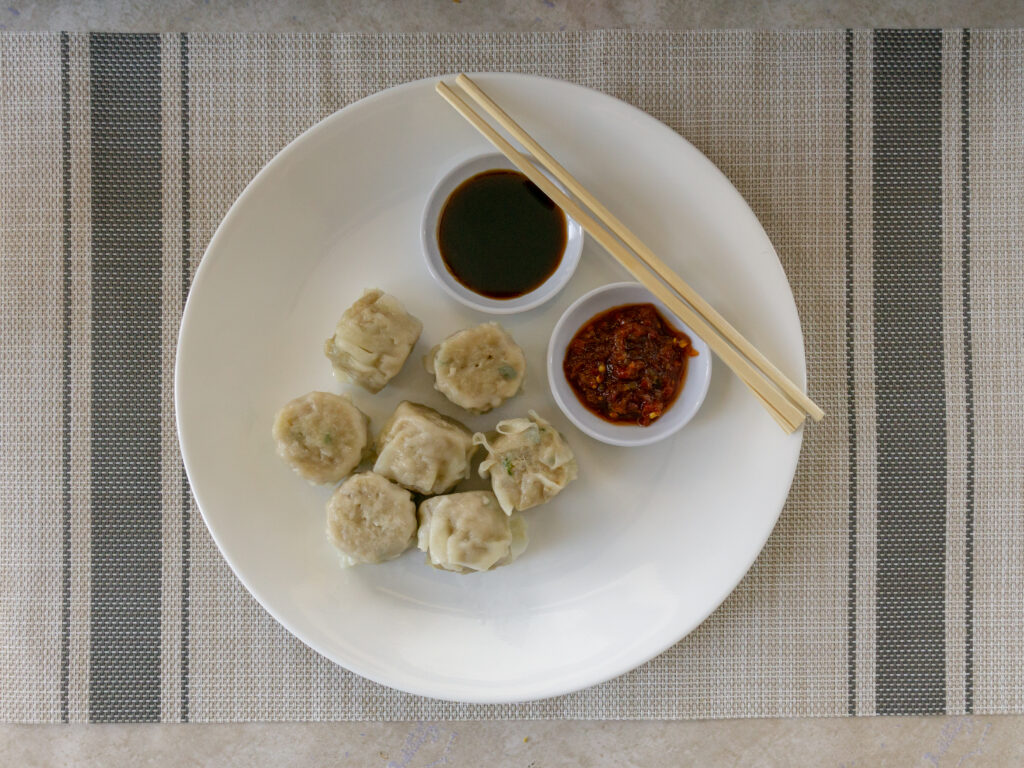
x: 624, y: 563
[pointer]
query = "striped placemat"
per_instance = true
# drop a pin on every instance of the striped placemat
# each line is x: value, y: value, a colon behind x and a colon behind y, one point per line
x: 888, y: 169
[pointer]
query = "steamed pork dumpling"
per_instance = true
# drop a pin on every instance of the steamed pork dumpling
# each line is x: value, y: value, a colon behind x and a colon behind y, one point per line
x: 466, y: 532
x: 477, y: 368
x: 370, y: 519
x: 323, y: 436
x: 423, y: 450
x: 528, y: 462
x: 372, y: 340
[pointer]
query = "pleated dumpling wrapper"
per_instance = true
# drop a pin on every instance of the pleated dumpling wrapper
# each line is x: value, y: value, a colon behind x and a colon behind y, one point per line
x: 370, y: 519
x: 528, y: 461
x: 372, y: 340
x: 323, y: 436
x: 467, y: 532
x: 477, y: 368
x: 423, y: 450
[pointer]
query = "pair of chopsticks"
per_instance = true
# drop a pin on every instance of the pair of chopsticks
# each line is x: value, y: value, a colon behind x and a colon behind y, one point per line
x: 783, y: 399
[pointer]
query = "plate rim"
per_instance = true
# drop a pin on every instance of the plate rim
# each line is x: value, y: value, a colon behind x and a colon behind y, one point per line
x: 480, y: 696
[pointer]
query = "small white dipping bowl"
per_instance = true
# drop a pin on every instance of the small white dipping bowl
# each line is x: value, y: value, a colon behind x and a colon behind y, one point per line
x: 436, y: 266
x: 686, y: 405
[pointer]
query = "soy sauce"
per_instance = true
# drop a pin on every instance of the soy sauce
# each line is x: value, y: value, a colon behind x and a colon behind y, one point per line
x: 500, y: 235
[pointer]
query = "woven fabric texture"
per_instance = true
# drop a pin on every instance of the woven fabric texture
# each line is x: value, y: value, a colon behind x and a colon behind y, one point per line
x: 887, y: 169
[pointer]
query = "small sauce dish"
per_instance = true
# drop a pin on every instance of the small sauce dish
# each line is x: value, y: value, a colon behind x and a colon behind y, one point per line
x: 674, y: 418
x: 440, y: 271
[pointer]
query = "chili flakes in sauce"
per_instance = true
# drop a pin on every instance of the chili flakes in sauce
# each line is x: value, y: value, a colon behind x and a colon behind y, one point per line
x: 627, y: 365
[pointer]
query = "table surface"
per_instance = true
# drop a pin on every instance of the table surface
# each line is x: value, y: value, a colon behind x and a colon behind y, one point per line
x: 959, y: 741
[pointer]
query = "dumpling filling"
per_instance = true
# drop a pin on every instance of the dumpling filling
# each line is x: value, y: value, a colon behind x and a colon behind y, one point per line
x: 478, y: 368
x: 528, y: 461
x: 370, y: 519
x: 323, y: 436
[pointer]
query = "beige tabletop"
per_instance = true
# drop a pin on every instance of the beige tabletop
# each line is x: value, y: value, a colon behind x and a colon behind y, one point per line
x: 938, y: 741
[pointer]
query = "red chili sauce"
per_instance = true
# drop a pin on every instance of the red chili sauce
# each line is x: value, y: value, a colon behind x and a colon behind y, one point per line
x: 627, y: 364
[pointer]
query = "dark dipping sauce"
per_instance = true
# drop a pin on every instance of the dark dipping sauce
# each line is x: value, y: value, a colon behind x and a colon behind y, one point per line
x: 499, y: 235
x: 628, y: 365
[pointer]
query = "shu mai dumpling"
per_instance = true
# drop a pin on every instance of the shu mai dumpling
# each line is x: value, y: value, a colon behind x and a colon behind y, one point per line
x: 477, y: 368
x: 465, y: 532
x: 370, y: 519
x: 372, y: 340
x: 528, y: 462
x: 423, y: 450
x: 322, y: 435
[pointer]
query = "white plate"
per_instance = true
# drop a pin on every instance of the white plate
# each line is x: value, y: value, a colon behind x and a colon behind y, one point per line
x: 625, y: 562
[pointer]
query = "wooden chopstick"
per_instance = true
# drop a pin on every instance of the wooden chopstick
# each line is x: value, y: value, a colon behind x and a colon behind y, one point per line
x: 781, y: 408
x: 659, y: 267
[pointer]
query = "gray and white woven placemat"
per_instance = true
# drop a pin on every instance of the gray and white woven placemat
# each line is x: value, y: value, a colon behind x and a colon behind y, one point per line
x: 888, y: 169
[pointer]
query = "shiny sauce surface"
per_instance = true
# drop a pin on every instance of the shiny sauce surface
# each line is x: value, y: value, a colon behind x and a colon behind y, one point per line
x: 627, y: 364
x: 500, y: 235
